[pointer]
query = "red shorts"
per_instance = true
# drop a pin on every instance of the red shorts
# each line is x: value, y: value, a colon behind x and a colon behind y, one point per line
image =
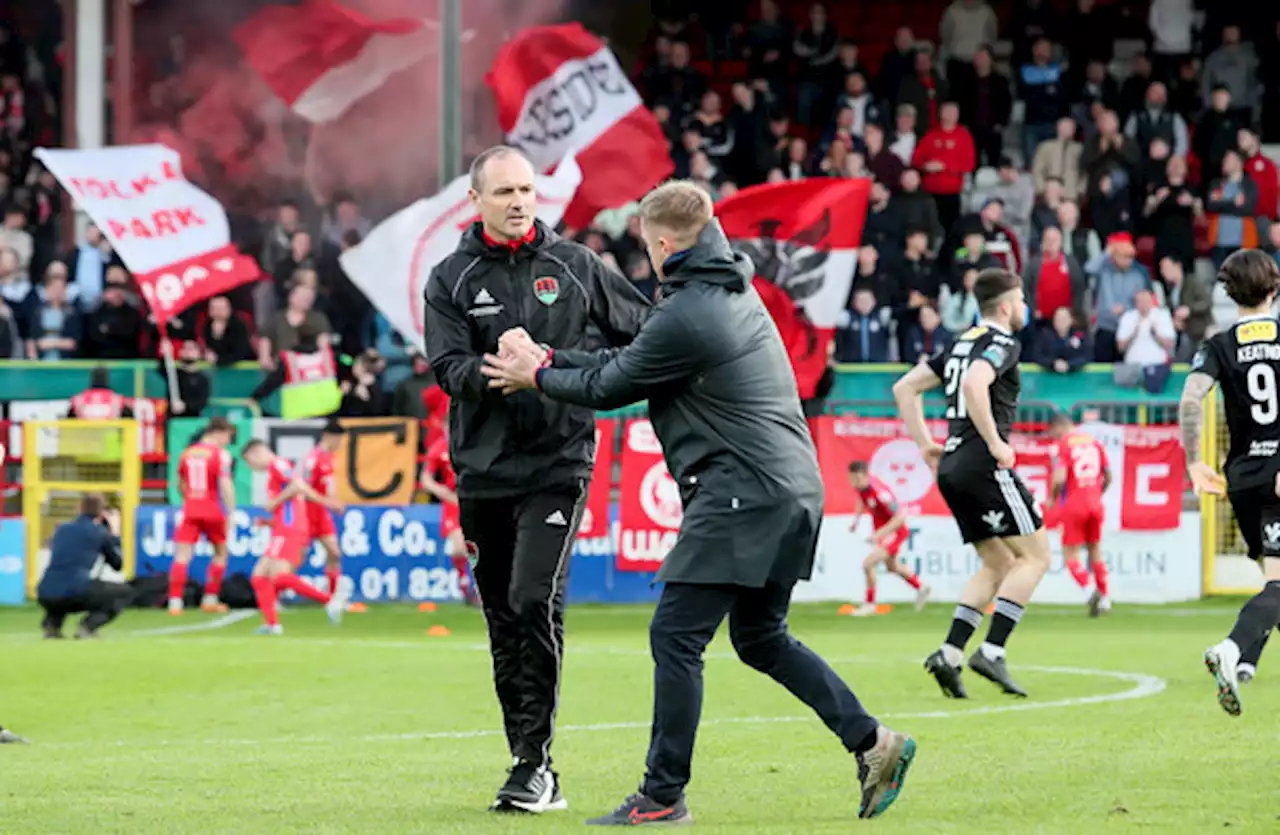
x: 190, y: 530
x: 449, y: 520
x: 893, y: 543
x: 1082, y: 525
x: 320, y: 522
x: 287, y: 544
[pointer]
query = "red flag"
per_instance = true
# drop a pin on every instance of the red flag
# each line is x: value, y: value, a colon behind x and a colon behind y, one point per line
x: 595, y: 519
x: 890, y: 455
x: 650, y: 510
x: 1152, y: 481
x: 560, y: 90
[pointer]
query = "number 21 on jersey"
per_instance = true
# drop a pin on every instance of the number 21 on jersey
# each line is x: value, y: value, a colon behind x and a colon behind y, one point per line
x: 953, y: 374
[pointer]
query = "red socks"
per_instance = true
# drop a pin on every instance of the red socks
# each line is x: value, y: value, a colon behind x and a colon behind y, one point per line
x: 264, y: 590
x: 295, y: 584
x: 334, y: 576
x: 913, y: 581
x: 871, y: 595
x: 1100, y: 577
x: 177, y: 579
x: 1080, y: 575
x: 213, y: 581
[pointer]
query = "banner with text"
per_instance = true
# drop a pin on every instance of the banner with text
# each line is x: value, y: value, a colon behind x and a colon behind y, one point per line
x: 650, y: 501
x: 376, y: 464
x: 595, y: 519
x: 1146, y: 462
x: 173, y: 236
x: 149, y: 413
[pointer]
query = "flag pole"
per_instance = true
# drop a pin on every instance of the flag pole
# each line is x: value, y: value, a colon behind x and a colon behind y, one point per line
x: 170, y: 369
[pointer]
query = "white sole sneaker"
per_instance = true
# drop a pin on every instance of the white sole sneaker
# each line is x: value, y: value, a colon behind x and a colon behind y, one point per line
x: 1224, y: 675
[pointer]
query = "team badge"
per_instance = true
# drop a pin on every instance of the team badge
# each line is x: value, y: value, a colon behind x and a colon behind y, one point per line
x: 547, y: 289
x: 473, y: 552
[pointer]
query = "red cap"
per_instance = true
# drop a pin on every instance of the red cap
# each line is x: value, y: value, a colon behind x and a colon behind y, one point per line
x: 1120, y: 238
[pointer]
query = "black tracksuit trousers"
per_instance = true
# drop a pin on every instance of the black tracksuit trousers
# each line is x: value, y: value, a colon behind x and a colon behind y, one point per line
x: 520, y: 548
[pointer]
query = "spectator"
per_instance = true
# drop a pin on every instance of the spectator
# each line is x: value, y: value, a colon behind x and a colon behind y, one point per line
x: 268, y: 294
x: 898, y: 64
x: 904, y: 136
x: 679, y: 86
x: 767, y: 43
x: 924, y: 91
x: 682, y: 154
x: 846, y: 64
x: 46, y: 206
x: 1045, y: 214
x: 15, y: 287
x: 1184, y: 91
x: 1231, y: 203
x: 715, y: 132
x: 703, y: 172
x: 884, y: 224
x: 352, y: 313
x: 857, y: 97
x: 56, y: 330
x: 277, y: 243
x: 1157, y: 121
x: 409, y: 398
x: 1269, y: 75
x: 986, y: 105
x: 913, y: 284
x: 1097, y: 88
x: 1081, y: 243
x: 855, y: 167
x: 884, y: 165
x: 1016, y: 192
x: 1134, y: 88
x: 282, y: 335
x: 115, y: 323
x: 774, y: 151
x: 927, y: 337
x: 1234, y: 66
x: 1001, y: 241
x: 869, y: 276
x: 346, y: 218
x: 1118, y: 280
x: 1171, y: 23
x: 840, y: 132
x: 919, y: 211
x: 1154, y: 170
x: 863, y: 334
x: 1171, y: 209
x: 749, y: 124
x: 1031, y: 20
x: 225, y: 336
x: 87, y: 264
x: 1109, y: 155
x: 966, y: 26
x: 1053, y: 280
x: 1146, y: 338
x: 1062, y: 348
x: 362, y: 390
x: 833, y: 164
x: 971, y: 256
x: 959, y: 307
x: 1041, y: 87
x: 816, y: 47
x: 14, y: 235
x: 1261, y: 170
x: 1191, y: 303
x: 1218, y: 132
x: 12, y: 346
x: 946, y: 156
x: 798, y: 165
x: 1059, y: 158
x: 194, y: 386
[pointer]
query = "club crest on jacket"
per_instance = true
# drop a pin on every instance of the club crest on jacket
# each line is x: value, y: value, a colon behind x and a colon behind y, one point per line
x: 547, y: 289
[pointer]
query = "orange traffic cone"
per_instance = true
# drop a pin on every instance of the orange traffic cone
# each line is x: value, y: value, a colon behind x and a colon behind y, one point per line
x: 438, y: 631
x: 427, y: 606
x: 357, y: 608
x: 845, y: 610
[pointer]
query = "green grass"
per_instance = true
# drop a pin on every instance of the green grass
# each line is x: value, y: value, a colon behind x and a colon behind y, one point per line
x: 375, y: 727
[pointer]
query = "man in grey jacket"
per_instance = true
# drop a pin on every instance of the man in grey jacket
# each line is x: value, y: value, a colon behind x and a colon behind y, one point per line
x: 723, y: 402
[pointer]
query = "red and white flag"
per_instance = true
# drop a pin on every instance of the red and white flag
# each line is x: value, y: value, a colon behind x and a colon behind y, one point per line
x: 171, y: 235
x: 650, y: 508
x: 561, y: 91
x: 803, y: 238
x: 321, y: 57
x: 392, y: 263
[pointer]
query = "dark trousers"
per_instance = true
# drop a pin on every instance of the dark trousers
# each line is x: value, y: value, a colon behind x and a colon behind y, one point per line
x: 1104, y: 346
x: 685, y: 621
x: 989, y: 144
x: 520, y: 547
x: 948, y: 213
x: 102, y: 601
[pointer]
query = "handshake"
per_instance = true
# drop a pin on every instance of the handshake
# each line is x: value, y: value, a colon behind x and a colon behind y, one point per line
x: 517, y: 363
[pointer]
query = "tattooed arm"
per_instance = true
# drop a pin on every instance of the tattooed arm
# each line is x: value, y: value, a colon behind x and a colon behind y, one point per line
x: 1191, y: 412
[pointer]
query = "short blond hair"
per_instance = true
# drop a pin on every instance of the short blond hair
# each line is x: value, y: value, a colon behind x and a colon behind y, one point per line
x: 680, y: 207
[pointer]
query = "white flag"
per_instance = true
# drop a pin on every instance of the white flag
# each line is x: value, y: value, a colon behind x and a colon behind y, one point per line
x: 392, y: 264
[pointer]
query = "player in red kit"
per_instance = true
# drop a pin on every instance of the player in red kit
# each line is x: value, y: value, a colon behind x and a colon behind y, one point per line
x: 888, y: 535
x: 439, y: 480
x: 317, y: 470
x: 208, y: 499
x: 287, y: 496
x: 1081, y: 475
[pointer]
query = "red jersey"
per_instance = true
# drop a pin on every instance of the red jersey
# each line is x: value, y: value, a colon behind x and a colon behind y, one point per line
x: 439, y: 465
x: 291, y: 513
x: 317, y: 470
x: 1085, y: 461
x: 200, y: 469
x: 879, y: 501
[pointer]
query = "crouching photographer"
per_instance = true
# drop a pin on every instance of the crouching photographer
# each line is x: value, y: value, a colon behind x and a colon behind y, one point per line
x: 68, y: 585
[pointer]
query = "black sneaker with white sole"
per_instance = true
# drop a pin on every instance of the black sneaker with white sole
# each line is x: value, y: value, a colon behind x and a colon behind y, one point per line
x: 640, y: 810
x: 947, y: 676
x: 995, y: 671
x: 10, y: 738
x: 530, y: 788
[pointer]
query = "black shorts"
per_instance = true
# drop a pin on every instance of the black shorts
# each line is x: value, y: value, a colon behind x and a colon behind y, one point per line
x: 1257, y: 512
x: 988, y: 502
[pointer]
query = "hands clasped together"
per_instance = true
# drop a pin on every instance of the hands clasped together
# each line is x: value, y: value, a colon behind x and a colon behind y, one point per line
x: 517, y: 363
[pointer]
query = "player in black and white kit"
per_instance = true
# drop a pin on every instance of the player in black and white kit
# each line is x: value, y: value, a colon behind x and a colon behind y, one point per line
x: 993, y: 508
x: 1245, y: 361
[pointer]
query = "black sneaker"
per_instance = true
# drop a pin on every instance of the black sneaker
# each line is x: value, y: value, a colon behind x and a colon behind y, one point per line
x: 10, y: 738
x: 529, y: 788
x: 947, y: 676
x: 994, y: 670
x: 640, y: 809
x: 1095, y: 604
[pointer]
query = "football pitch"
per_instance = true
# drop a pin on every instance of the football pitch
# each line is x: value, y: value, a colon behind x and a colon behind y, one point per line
x: 377, y: 727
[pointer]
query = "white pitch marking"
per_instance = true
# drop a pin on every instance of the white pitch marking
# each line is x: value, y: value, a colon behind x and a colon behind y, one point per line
x: 206, y: 626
